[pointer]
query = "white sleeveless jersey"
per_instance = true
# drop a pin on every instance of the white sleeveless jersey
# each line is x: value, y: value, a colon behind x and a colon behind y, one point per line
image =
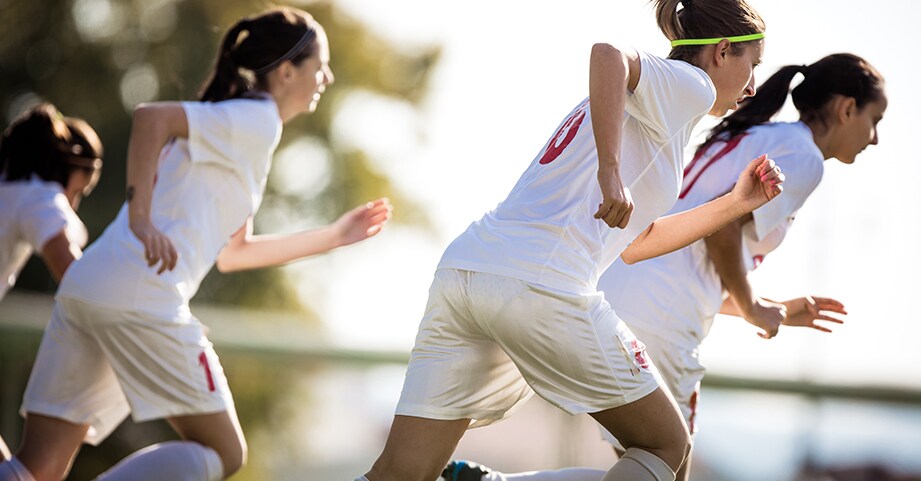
x: 31, y: 213
x: 545, y: 231
x: 677, y: 295
x: 206, y: 187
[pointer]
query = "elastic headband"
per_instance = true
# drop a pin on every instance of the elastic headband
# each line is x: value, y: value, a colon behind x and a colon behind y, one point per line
x: 296, y: 49
x: 713, y: 41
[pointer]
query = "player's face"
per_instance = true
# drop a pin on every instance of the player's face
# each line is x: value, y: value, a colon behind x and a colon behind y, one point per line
x: 312, y: 76
x: 735, y: 80
x: 860, y: 129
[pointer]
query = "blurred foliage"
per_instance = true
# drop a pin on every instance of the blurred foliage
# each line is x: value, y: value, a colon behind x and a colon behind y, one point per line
x: 97, y: 59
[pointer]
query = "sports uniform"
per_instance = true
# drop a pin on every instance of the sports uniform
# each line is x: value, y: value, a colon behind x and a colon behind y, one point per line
x: 33, y: 212
x: 669, y: 302
x: 513, y: 306
x: 122, y: 338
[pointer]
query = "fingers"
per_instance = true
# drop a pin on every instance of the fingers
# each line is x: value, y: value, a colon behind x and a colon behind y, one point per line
x: 615, y: 214
x: 754, y: 166
x: 826, y: 304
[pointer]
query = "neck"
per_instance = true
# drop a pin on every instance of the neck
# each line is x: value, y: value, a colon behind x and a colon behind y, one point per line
x: 822, y: 136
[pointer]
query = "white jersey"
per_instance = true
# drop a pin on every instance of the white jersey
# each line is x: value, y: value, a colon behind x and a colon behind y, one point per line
x: 206, y: 187
x: 676, y: 296
x: 545, y: 231
x: 31, y: 213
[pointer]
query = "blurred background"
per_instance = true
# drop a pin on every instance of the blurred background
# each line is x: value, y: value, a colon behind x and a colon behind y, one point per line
x: 441, y: 106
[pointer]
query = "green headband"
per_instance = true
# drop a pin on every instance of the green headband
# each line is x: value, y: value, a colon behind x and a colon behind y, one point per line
x: 712, y: 41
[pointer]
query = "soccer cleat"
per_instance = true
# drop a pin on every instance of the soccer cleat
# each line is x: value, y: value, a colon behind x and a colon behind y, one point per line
x: 464, y: 471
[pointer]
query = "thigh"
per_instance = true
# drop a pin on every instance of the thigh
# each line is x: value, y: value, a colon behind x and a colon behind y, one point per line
x: 218, y: 431
x: 652, y: 423
x: 417, y: 449
x: 455, y: 370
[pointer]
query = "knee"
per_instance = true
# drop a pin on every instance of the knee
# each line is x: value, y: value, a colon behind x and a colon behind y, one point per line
x: 677, y: 450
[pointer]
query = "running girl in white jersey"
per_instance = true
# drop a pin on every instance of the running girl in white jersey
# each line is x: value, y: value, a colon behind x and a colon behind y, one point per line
x: 122, y: 338
x: 513, y: 306
x: 669, y: 302
x: 48, y: 163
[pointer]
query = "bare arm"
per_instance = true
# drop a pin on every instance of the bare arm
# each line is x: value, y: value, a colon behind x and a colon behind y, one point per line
x: 759, y: 183
x: 612, y: 73
x: 246, y: 251
x: 724, y: 248
x: 58, y: 253
x: 152, y: 127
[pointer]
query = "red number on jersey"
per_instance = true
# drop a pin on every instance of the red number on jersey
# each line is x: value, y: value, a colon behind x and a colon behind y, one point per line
x: 564, y: 136
x: 203, y: 360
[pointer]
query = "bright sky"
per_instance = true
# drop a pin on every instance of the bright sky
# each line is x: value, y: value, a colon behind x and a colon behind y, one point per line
x: 509, y: 73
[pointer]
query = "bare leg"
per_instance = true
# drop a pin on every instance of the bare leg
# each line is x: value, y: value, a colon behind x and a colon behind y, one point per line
x: 220, y: 432
x: 49, y: 446
x: 653, y: 424
x: 417, y: 449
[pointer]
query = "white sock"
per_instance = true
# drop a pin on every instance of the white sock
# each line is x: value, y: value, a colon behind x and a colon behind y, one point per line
x: 639, y: 465
x: 171, y: 461
x: 13, y: 470
x: 569, y: 474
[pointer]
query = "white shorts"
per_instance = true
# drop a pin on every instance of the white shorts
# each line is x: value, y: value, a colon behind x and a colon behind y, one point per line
x: 96, y: 364
x: 487, y: 340
x: 681, y: 372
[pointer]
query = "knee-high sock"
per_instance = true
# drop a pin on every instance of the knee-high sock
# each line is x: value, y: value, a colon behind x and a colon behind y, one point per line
x: 13, y: 470
x: 172, y: 461
x: 569, y: 474
x: 639, y: 465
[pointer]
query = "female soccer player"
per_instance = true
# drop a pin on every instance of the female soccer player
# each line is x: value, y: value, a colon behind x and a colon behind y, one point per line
x: 513, y: 306
x: 122, y: 338
x: 48, y: 163
x: 670, y: 302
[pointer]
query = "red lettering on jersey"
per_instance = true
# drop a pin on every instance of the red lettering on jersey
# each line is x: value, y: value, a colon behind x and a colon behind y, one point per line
x: 757, y: 260
x: 563, y: 136
x: 689, y: 182
x: 203, y: 361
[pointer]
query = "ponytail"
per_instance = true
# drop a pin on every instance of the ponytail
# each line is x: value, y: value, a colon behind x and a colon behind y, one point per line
x: 837, y: 74
x: 701, y: 19
x: 279, y: 35
x: 227, y: 81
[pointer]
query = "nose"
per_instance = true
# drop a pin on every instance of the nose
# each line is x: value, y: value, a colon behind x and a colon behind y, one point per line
x: 750, y: 88
x: 875, y: 140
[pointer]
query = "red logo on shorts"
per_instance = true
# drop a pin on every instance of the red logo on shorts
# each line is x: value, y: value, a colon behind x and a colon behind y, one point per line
x: 757, y: 260
x: 639, y: 353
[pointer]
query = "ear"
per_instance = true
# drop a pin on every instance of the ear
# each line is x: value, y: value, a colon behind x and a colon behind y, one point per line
x: 845, y: 108
x: 721, y: 52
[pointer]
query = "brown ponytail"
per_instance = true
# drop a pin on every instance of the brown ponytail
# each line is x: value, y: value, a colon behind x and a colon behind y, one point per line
x: 254, y: 43
x: 837, y: 74
x: 705, y: 19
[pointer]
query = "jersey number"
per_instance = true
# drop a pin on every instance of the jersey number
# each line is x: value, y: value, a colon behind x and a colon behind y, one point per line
x: 203, y: 361
x: 563, y: 136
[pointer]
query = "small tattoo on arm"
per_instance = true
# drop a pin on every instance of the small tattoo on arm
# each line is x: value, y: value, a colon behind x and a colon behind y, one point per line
x: 129, y: 194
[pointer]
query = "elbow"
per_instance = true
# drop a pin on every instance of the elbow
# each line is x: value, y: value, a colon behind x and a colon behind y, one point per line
x: 225, y: 264
x: 630, y: 257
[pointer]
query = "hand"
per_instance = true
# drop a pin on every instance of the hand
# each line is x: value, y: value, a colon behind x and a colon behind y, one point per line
x: 363, y: 221
x: 804, y: 311
x: 760, y: 182
x: 766, y: 315
x: 616, y: 203
x: 157, y: 247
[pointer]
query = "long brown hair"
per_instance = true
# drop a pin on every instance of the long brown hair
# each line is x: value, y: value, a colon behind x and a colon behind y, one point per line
x: 705, y: 19
x: 837, y: 74
x: 253, y: 47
